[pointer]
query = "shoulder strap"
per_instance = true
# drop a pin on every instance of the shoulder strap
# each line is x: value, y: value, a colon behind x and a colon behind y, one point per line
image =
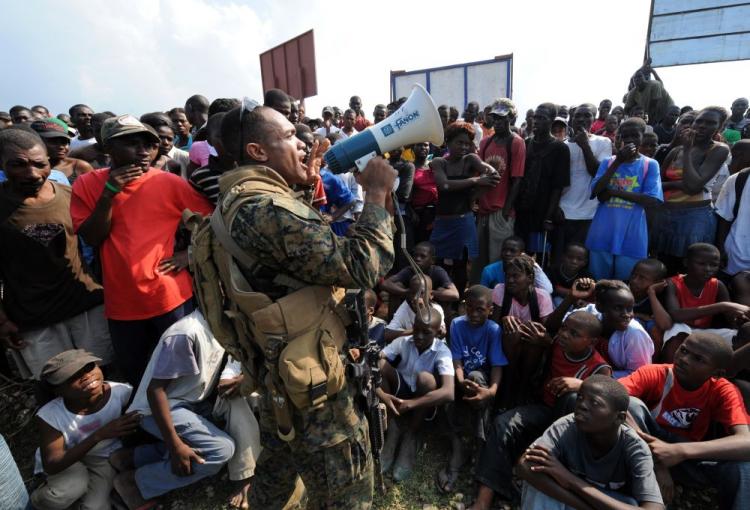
x: 739, y: 187
x: 668, y: 383
x: 225, y: 239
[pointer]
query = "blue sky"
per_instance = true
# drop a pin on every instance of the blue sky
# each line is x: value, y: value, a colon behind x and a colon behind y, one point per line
x: 143, y: 55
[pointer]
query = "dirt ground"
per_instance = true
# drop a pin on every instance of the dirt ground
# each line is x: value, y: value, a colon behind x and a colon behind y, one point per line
x: 417, y: 493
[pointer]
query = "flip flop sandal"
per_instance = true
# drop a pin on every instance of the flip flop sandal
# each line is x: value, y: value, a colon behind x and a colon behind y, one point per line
x: 445, y: 480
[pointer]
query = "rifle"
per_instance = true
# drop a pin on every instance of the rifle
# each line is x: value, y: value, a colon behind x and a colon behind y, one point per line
x: 365, y: 372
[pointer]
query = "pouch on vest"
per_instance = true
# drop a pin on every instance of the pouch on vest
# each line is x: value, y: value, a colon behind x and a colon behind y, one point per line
x: 242, y: 320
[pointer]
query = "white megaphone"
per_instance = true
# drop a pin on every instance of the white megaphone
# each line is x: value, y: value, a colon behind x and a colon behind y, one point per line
x: 416, y: 121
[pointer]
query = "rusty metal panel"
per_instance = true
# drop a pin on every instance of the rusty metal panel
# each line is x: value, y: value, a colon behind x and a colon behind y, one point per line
x: 290, y: 66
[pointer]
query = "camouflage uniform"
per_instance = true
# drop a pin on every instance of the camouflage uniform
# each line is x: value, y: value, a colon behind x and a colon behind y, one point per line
x: 331, y: 451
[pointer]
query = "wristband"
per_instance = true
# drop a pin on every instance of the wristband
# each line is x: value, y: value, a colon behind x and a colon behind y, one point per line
x: 111, y: 187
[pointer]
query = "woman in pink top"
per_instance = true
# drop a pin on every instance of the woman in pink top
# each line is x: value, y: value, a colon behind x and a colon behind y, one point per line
x: 424, y: 193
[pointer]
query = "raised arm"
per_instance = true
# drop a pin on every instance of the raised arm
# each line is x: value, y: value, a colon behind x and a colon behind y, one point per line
x: 695, y: 178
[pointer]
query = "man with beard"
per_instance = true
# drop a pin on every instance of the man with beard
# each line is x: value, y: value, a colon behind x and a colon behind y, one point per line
x: 51, y: 303
x: 81, y: 116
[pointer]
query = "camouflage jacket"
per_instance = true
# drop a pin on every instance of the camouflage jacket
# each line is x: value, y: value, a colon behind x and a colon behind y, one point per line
x: 291, y: 237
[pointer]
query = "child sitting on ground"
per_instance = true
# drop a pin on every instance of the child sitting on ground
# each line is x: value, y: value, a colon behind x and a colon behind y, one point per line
x: 403, y: 320
x: 417, y: 378
x: 444, y: 290
x: 573, y: 360
x: 477, y: 350
x: 647, y: 283
x: 574, y: 265
x: 694, y: 298
x: 494, y: 273
x: 175, y: 396
x: 521, y: 309
x: 78, y: 431
x: 375, y: 325
x: 674, y: 407
x: 624, y: 185
x: 625, y: 343
x: 591, y: 459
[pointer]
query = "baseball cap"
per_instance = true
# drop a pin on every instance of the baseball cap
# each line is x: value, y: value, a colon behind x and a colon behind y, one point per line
x: 327, y: 109
x: 503, y: 108
x: 51, y: 128
x: 560, y: 120
x: 61, y: 367
x: 124, y: 125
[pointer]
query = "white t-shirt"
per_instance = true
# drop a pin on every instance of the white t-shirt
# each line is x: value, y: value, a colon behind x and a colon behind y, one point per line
x: 574, y: 201
x: 404, y: 317
x: 332, y: 129
x: 182, y: 158
x: 77, y: 143
x: 77, y: 427
x: 737, y: 244
x: 189, y: 357
x: 435, y: 359
x: 629, y: 349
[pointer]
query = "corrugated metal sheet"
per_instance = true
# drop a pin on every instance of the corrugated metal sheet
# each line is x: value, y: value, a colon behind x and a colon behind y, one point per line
x: 290, y: 66
x: 698, y: 31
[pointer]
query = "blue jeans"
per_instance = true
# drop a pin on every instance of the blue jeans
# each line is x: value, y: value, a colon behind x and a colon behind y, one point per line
x: 534, y: 499
x: 154, y: 475
x: 605, y: 266
x: 13, y: 495
x: 730, y: 478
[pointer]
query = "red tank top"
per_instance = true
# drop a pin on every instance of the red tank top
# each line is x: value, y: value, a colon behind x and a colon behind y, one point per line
x: 688, y: 300
x: 562, y: 366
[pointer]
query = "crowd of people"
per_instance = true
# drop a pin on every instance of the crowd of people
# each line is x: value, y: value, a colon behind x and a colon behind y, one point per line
x: 576, y: 318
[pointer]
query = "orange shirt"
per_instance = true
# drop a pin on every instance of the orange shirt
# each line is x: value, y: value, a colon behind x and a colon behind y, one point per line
x: 145, y: 217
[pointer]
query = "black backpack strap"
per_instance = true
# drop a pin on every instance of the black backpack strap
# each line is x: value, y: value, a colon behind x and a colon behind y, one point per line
x: 739, y: 187
x: 533, y: 304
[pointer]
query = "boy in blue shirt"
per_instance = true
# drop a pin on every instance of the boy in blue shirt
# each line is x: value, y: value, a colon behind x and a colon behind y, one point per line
x: 478, y: 359
x: 624, y: 185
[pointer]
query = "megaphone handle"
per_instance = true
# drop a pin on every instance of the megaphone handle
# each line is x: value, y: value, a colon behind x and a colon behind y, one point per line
x: 362, y: 162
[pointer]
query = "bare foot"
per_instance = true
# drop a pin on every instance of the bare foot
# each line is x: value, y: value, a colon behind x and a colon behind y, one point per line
x: 127, y: 489
x: 123, y: 459
x: 238, y: 498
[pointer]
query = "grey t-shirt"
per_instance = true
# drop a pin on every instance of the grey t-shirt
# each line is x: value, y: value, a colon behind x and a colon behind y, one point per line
x: 627, y: 468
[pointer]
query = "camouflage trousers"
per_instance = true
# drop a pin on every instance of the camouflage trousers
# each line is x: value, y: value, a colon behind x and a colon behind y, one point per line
x: 330, y: 454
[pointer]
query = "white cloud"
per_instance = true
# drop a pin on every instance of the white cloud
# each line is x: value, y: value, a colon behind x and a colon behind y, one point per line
x: 143, y: 55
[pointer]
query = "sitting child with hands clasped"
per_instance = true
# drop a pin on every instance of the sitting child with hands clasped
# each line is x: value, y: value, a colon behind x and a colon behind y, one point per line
x: 418, y: 377
x: 591, y: 459
x: 78, y: 432
x: 694, y: 298
x: 521, y: 309
x: 478, y: 359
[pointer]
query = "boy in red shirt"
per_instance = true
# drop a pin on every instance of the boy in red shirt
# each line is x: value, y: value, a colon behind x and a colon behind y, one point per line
x: 674, y: 406
x: 573, y: 360
x: 131, y: 212
x: 692, y: 300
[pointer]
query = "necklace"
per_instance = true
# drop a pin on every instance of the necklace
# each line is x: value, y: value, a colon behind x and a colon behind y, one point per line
x: 565, y: 276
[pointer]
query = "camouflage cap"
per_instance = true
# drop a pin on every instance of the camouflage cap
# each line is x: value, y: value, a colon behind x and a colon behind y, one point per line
x: 61, y: 367
x: 124, y: 125
x: 503, y: 107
